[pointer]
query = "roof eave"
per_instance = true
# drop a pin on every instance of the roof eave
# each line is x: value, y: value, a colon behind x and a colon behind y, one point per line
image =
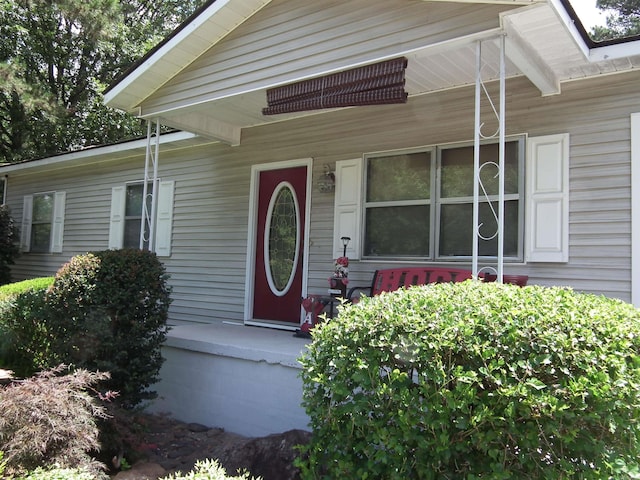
x: 116, y: 151
x: 167, y: 59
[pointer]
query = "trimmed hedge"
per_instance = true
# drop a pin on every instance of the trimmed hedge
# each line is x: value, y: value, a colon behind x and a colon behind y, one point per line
x: 473, y: 380
x: 24, y: 346
x: 104, y: 311
x: 108, y: 312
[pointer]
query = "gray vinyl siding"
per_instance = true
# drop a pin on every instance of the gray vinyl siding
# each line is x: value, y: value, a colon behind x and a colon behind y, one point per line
x: 212, y: 182
x: 301, y: 39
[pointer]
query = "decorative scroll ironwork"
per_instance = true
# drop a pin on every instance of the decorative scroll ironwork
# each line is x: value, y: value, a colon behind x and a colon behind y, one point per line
x: 150, y: 203
x: 499, y: 114
x: 381, y: 83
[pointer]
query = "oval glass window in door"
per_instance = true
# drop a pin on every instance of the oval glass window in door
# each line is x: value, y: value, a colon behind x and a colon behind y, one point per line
x: 282, y: 238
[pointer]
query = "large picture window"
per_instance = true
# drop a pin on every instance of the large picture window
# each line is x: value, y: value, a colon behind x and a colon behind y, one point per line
x: 419, y: 204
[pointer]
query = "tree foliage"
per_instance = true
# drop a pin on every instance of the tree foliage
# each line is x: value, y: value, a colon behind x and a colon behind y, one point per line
x: 56, y: 59
x: 623, y: 22
x: 9, y: 248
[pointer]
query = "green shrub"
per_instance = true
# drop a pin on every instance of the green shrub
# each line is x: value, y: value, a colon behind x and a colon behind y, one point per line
x: 49, y: 419
x: 474, y: 380
x: 24, y: 344
x: 108, y: 312
x: 209, y: 470
x: 16, y: 288
x: 9, y: 244
x: 59, y: 474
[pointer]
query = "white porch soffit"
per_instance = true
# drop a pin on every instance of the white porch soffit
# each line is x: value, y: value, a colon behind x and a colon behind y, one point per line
x: 541, y: 43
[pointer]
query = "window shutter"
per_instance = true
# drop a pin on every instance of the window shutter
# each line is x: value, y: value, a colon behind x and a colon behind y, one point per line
x: 347, y: 207
x: 547, y: 172
x: 25, y: 232
x: 164, y: 218
x: 57, y: 228
x: 116, y: 225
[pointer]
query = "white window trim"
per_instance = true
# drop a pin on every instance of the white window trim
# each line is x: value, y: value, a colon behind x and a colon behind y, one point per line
x: 434, y: 256
x: 57, y: 222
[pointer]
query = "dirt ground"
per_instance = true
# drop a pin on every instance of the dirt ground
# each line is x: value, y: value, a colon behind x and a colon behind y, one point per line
x: 163, y: 445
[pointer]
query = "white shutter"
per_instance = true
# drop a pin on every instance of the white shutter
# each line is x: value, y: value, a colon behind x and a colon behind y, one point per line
x: 57, y: 227
x: 164, y: 218
x: 25, y: 231
x: 116, y: 222
x: 347, y: 207
x: 547, y: 174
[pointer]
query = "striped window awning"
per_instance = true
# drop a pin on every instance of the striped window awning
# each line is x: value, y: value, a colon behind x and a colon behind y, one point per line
x: 377, y: 84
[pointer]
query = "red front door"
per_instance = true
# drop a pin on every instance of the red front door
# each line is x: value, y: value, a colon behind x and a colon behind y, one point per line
x: 280, y: 244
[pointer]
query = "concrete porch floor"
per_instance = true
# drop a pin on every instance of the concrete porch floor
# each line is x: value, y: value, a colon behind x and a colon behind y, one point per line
x: 243, y: 379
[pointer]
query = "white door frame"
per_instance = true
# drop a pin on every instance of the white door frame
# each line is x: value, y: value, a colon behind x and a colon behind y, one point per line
x: 251, y: 240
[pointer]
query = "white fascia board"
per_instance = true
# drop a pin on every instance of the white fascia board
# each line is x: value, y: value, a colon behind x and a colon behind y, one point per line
x: 570, y: 25
x: 199, y: 25
x: 595, y: 54
x: 100, y: 153
x: 613, y: 52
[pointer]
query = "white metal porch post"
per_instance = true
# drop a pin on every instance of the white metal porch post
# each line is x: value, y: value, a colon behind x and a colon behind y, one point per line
x: 477, y: 167
x: 148, y: 220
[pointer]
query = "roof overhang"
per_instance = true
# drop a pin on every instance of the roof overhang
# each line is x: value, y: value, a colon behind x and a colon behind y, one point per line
x: 544, y: 42
x: 93, y: 155
x: 211, y: 24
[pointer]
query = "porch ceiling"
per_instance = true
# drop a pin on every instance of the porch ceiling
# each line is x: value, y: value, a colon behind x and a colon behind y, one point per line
x: 540, y: 44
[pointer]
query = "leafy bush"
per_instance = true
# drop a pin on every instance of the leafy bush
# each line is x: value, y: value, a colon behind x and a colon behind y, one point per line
x: 13, y: 289
x: 9, y: 244
x: 475, y: 380
x: 50, y: 420
x: 59, y: 474
x: 24, y: 345
x: 108, y: 311
x: 209, y: 470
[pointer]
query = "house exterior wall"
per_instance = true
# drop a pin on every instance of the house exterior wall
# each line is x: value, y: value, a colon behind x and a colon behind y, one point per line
x: 300, y: 39
x: 210, y: 218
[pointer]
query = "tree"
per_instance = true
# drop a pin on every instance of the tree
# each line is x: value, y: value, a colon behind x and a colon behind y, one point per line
x: 624, y: 22
x: 56, y: 57
x: 9, y: 248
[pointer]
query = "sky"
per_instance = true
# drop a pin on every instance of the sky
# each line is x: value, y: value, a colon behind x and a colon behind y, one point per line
x: 588, y: 13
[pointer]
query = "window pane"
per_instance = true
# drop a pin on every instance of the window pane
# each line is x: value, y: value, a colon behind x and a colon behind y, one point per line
x: 42, y: 207
x: 456, y: 229
x: 134, y: 201
x: 131, y: 233
x: 399, y: 177
x: 397, y: 231
x: 457, y: 170
x: 40, y: 237
x: 283, y: 237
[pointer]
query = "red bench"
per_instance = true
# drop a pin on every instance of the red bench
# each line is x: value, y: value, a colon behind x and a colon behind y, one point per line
x: 390, y: 279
